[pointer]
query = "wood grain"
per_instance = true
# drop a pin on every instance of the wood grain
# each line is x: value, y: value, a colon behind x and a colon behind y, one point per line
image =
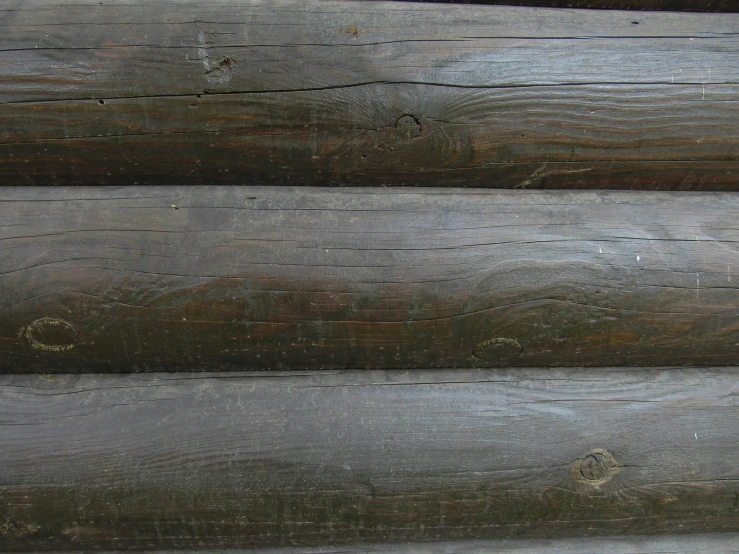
x: 312, y: 93
x: 149, y: 461
x: 186, y: 278
x: 702, y: 543
x: 673, y: 5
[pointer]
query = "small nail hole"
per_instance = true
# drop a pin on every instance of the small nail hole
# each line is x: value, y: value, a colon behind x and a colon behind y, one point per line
x: 101, y: 102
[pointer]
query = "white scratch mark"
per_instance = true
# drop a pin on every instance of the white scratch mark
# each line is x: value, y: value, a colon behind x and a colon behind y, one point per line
x: 697, y: 284
x: 203, y: 55
x: 696, y: 436
x: 638, y: 258
x: 600, y: 250
x: 543, y: 173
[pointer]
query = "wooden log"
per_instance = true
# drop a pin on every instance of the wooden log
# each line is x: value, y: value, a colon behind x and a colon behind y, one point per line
x: 184, y: 278
x: 673, y: 5
x: 715, y: 543
x: 149, y: 461
x: 309, y: 92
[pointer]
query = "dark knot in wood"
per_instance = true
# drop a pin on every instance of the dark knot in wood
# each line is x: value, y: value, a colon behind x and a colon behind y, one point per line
x: 50, y: 334
x: 597, y: 467
x: 594, y: 467
x: 497, y: 349
x: 407, y: 127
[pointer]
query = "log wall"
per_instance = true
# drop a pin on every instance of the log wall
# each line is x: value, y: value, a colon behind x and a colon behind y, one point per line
x: 188, y: 460
x: 192, y: 278
x: 315, y: 92
x: 481, y: 320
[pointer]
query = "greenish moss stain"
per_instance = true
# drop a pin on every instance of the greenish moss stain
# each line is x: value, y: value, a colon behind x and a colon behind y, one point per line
x: 492, y: 349
x: 14, y: 530
x: 33, y: 331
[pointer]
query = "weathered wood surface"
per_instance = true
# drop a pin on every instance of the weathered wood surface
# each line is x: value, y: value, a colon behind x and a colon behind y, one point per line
x: 366, y: 93
x: 148, y: 461
x: 705, y: 543
x: 731, y: 6
x: 185, y: 278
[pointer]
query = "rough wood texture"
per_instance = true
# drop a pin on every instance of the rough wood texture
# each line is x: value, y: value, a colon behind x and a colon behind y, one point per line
x: 715, y: 543
x: 731, y: 6
x: 704, y: 543
x: 142, y: 278
x: 174, y: 461
x: 316, y: 92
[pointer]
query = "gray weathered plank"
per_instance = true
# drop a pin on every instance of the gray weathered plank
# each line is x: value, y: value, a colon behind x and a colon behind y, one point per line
x: 187, y: 278
x: 151, y: 461
x: 316, y: 92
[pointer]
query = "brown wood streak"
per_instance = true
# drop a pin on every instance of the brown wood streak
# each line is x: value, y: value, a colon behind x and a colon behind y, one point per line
x: 309, y: 93
x: 242, y: 460
x: 146, y: 278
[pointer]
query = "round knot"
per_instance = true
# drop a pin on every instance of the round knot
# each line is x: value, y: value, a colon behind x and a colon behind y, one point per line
x: 594, y: 467
x: 497, y: 349
x: 597, y: 467
x: 50, y: 334
x: 407, y: 127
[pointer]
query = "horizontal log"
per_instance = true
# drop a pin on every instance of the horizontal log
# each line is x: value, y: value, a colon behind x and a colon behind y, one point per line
x: 148, y: 461
x: 184, y: 278
x: 716, y: 543
x: 315, y: 92
x: 674, y: 5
